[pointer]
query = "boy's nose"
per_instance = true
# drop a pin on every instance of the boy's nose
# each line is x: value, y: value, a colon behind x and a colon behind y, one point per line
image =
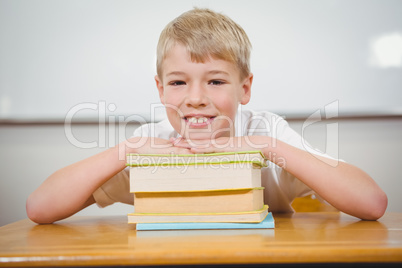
x: 196, y: 97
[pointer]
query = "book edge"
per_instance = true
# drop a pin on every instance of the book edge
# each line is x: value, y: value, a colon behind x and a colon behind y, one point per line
x: 264, y: 208
x: 200, y: 155
x: 196, y: 191
x: 197, y: 163
x: 267, y: 223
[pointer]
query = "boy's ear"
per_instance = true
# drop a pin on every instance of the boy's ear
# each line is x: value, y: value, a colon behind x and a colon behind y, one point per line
x: 159, y: 85
x: 246, y: 89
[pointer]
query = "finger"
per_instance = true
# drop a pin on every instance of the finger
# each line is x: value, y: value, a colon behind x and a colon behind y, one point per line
x: 199, y: 143
x: 195, y: 150
x: 175, y: 141
x: 205, y: 150
x: 179, y: 150
x: 180, y: 142
x: 182, y: 145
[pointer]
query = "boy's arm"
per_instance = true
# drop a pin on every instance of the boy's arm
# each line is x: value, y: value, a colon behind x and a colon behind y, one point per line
x: 344, y: 186
x: 70, y: 189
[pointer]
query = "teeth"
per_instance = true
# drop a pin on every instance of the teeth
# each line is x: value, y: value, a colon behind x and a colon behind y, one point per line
x: 198, y: 120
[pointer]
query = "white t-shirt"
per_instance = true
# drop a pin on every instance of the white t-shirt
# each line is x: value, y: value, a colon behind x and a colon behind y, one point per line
x: 280, y: 186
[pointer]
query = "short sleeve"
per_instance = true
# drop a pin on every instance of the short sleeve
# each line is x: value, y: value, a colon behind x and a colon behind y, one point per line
x: 117, y: 189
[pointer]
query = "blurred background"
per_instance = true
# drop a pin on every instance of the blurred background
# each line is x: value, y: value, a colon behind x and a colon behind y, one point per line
x: 91, y: 64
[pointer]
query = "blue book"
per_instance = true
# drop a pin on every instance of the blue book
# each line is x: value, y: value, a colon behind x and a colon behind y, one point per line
x: 268, y: 222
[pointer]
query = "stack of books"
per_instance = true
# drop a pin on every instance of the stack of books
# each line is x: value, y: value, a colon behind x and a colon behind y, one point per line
x: 198, y: 191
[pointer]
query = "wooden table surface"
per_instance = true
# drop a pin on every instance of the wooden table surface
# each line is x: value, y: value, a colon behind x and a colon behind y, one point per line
x: 317, y: 237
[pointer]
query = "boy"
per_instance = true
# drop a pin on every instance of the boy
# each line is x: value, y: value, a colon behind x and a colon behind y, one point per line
x: 203, y: 75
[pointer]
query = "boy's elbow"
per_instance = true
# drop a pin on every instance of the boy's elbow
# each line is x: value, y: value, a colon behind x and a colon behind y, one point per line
x: 378, y: 207
x: 36, y: 212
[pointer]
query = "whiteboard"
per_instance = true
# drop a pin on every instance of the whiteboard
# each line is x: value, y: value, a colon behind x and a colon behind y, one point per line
x: 83, y: 58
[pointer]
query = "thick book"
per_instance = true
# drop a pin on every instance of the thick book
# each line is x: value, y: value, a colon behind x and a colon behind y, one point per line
x: 267, y: 223
x: 214, y: 201
x: 241, y: 216
x: 161, y: 173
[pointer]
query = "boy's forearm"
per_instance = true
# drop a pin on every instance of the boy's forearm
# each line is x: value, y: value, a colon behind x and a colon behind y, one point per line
x: 344, y: 186
x: 70, y: 189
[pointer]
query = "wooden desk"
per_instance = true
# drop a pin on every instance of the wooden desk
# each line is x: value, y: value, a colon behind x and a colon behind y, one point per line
x: 318, y: 237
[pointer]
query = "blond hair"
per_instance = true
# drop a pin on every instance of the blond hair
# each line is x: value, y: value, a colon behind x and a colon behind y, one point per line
x: 205, y: 34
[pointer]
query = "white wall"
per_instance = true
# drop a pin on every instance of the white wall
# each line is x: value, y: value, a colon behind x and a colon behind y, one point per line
x: 57, y: 54
x: 29, y: 154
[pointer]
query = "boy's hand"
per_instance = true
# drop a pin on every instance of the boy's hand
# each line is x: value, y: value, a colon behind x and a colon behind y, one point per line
x: 223, y: 144
x: 151, y: 145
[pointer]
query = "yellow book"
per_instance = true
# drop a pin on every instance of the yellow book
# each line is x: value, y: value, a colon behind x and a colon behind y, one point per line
x: 243, y: 216
x: 215, y: 201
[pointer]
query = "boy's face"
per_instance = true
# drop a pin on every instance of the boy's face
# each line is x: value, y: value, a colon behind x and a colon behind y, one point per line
x: 201, y: 99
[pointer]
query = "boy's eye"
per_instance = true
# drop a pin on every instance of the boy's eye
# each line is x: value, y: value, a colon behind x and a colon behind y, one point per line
x: 177, y: 83
x: 216, y: 82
